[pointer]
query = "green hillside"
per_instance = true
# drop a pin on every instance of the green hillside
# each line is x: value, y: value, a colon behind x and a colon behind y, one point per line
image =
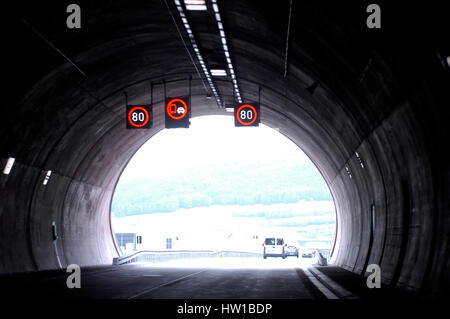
x: 239, y: 183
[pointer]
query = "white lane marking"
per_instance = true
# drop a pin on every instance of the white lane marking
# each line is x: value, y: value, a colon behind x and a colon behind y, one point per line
x: 165, y: 284
x: 327, y: 292
x: 334, y: 286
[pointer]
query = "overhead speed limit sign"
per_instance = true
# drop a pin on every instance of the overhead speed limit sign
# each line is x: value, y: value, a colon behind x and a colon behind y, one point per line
x: 139, y: 116
x: 246, y: 114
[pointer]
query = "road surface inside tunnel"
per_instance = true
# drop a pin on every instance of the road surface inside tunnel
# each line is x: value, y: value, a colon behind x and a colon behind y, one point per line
x: 252, y: 278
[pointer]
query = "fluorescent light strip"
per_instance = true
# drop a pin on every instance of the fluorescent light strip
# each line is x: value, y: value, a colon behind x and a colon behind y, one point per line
x: 197, y: 2
x: 194, y: 44
x: 195, y: 7
x: 225, y: 49
x: 9, y: 165
x: 47, y: 177
x: 218, y: 72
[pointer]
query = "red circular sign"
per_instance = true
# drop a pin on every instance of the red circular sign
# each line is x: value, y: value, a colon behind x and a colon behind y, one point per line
x: 147, y: 117
x: 172, y: 109
x: 255, y: 114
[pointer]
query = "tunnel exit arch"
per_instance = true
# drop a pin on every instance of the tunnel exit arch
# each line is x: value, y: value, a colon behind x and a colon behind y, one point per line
x: 394, y: 116
x: 207, y: 134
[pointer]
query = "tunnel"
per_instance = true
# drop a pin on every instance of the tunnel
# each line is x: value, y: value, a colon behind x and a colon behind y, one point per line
x: 369, y: 106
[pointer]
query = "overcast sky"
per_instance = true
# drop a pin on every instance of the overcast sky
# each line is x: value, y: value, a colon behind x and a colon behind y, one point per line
x: 210, y: 139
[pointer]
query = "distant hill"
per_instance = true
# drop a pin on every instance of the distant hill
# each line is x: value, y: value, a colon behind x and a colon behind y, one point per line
x: 240, y: 183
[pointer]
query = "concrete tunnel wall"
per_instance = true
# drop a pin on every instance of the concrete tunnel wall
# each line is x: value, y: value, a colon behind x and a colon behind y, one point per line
x: 369, y: 100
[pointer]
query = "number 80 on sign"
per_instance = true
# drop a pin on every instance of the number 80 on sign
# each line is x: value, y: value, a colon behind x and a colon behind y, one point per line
x: 246, y: 114
x: 139, y: 116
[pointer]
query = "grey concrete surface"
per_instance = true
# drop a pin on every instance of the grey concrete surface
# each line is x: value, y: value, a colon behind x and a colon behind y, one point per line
x: 155, y: 281
x: 382, y: 93
x: 200, y: 278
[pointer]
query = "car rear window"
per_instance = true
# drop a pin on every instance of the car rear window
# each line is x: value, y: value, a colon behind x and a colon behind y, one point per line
x: 279, y: 241
x: 270, y: 241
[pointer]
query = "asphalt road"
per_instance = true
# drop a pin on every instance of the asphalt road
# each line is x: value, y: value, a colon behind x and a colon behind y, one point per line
x: 225, y: 278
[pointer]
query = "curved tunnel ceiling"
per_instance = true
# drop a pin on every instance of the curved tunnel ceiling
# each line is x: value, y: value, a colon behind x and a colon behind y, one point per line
x: 375, y: 123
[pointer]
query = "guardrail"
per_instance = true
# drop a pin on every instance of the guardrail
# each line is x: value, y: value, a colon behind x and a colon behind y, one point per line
x: 165, y: 255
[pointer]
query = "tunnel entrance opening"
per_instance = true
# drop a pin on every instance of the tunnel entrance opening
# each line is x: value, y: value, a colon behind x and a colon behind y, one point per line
x: 214, y: 194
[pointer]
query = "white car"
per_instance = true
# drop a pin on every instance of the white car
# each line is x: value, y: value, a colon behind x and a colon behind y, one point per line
x: 274, y: 247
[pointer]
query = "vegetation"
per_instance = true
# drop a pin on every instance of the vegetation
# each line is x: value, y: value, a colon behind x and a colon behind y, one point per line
x: 238, y: 183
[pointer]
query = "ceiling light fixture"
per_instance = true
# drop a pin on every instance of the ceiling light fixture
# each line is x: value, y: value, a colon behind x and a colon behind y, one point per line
x: 226, y: 50
x: 195, y: 5
x: 218, y: 72
x: 194, y: 44
x: 9, y: 165
x: 47, y: 177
